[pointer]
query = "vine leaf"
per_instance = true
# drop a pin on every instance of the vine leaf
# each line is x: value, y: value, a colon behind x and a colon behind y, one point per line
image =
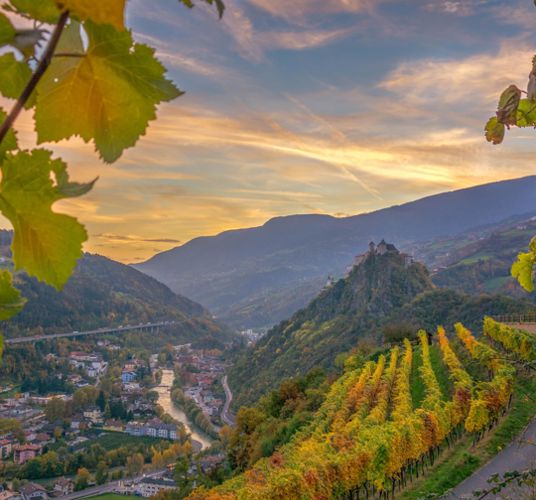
x: 494, y: 131
x: 526, y: 113
x: 44, y: 10
x: 109, y: 95
x: 10, y: 141
x: 508, y: 103
x: 15, y: 76
x: 7, y: 31
x: 11, y: 301
x: 45, y: 244
x: 522, y: 268
x: 103, y: 12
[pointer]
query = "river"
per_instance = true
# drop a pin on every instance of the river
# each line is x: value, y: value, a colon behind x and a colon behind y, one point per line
x: 164, y: 400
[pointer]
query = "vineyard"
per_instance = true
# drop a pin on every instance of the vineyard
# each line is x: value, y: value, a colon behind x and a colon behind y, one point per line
x: 376, y: 432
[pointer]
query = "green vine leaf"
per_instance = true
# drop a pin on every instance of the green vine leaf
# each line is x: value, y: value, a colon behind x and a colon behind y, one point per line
x: 109, y: 95
x: 45, y: 244
x: 523, y: 268
x: 494, y: 131
x: 11, y: 301
x: 107, y: 12
x: 7, y: 31
x: 526, y: 113
x: 10, y: 141
x: 15, y: 76
x: 45, y: 11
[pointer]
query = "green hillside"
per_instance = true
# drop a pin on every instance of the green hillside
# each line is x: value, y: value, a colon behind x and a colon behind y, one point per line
x: 102, y: 293
x: 383, y: 292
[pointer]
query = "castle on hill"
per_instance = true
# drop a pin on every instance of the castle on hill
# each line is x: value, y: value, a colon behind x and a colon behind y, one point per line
x: 381, y: 249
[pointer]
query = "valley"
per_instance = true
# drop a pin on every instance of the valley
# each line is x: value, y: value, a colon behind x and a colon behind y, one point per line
x: 144, y: 392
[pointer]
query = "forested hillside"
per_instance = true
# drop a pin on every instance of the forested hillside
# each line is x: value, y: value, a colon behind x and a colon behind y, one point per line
x: 388, y: 419
x: 102, y: 293
x: 480, y: 261
x: 384, y: 294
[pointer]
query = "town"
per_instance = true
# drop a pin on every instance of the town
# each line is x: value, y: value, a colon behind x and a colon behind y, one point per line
x: 110, y: 411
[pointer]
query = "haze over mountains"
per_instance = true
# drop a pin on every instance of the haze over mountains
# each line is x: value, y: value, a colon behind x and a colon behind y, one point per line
x: 258, y: 276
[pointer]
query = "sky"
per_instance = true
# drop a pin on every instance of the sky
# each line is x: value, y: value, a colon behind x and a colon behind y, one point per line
x: 306, y: 106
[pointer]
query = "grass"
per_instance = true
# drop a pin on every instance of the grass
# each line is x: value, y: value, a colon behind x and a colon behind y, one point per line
x: 463, y: 459
x: 416, y: 384
x: 111, y: 440
x: 441, y: 371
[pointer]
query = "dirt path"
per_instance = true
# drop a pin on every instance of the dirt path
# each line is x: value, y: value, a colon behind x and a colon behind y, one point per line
x: 518, y: 455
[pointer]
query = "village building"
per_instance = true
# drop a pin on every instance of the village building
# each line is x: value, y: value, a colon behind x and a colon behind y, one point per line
x: 24, y: 452
x: 150, y: 486
x: 33, y: 491
x: 63, y: 486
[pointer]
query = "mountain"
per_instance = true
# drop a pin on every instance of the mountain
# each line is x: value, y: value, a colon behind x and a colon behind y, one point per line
x: 385, y: 290
x: 479, y: 261
x: 102, y: 292
x: 280, y: 266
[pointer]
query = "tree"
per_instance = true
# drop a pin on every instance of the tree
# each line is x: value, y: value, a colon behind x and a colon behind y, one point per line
x: 55, y: 410
x: 90, y: 80
x: 180, y: 475
x: 82, y: 479
x: 135, y: 464
x: 102, y: 473
x: 101, y: 401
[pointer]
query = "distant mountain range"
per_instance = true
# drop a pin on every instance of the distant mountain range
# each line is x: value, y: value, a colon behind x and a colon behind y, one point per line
x: 102, y: 293
x: 385, y: 291
x: 256, y: 277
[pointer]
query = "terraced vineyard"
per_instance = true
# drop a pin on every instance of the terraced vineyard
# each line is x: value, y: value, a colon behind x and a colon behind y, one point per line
x: 385, y: 422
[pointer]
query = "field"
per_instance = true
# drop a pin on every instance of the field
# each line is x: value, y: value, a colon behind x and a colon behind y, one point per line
x: 113, y: 496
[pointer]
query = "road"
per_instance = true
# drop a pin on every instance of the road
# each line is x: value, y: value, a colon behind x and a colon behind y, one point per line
x: 119, y: 329
x: 519, y: 455
x: 225, y: 415
x: 107, y: 487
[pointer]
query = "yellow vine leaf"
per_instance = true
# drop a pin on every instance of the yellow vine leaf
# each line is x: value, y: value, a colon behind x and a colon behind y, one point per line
x: 99, y: 11
x: 7, y: 31
x: 45, y: 244
x: 109, y: 95
x: 11, y: 301
x: 10, y: 141
x: 15, y: 76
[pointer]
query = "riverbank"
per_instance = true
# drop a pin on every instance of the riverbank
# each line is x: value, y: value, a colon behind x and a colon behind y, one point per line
x: 164, y: 400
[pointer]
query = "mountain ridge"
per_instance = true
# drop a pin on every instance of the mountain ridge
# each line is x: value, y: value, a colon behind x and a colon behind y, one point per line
x: 238, y: 273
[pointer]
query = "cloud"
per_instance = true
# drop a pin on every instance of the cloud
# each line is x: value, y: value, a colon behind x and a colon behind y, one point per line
x: 300, y: 40
x: 121, y: 237
x: 299, y: 10
x: 477, y: 78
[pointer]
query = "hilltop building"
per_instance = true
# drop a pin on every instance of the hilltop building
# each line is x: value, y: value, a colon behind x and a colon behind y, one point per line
x: 381, y: 249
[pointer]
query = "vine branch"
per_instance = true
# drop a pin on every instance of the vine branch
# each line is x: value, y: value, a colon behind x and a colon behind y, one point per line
x: 37, y: 75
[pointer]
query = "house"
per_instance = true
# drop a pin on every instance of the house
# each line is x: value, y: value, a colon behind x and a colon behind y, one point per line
x: 33, y: 491
x: 94, y: 415
x: 6, y: 447
x: 150, y: 486
x: 128, y: 376
x: 63, y: 486
x: 24, y: 452
x: 10, y: 495
x: 113, y: 425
